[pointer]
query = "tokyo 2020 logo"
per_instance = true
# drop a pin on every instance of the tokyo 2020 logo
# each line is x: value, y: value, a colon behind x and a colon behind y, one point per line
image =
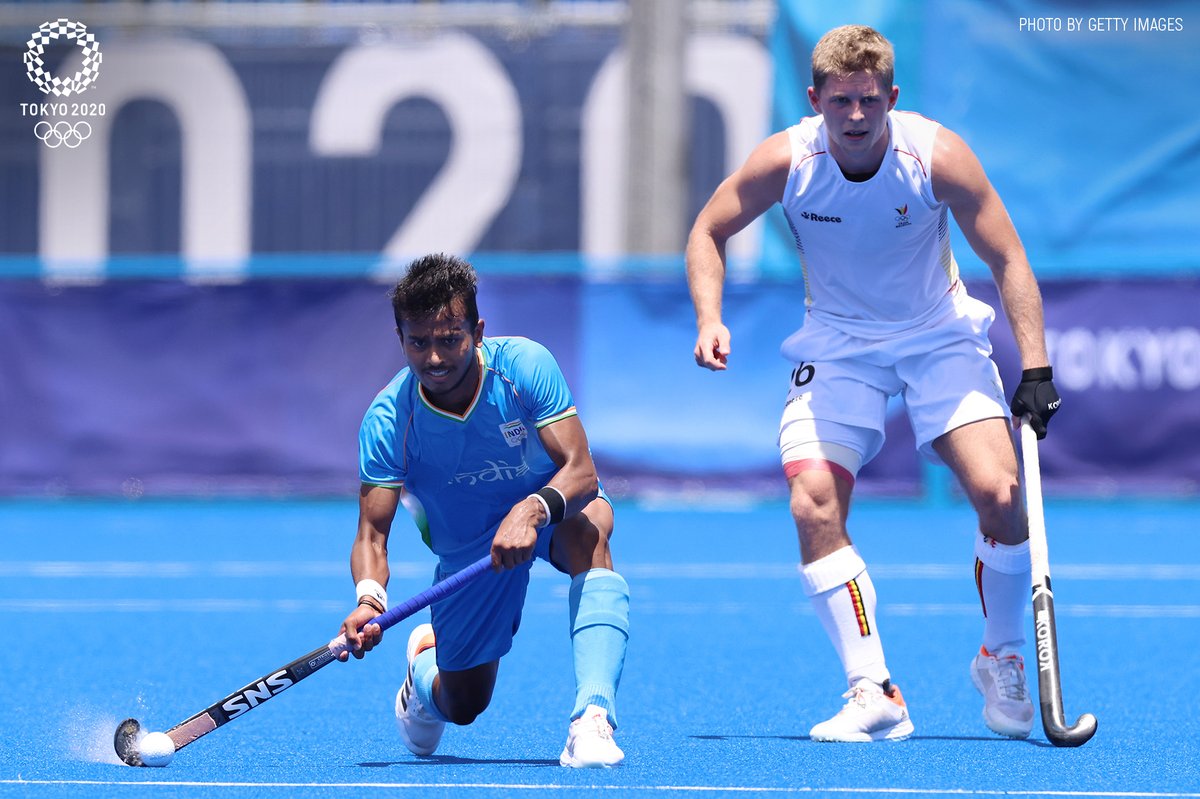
x: 35, y: 67
x: 60, y: 125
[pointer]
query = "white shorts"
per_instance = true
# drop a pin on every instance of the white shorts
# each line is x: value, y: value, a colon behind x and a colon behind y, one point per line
x: 836, y: 409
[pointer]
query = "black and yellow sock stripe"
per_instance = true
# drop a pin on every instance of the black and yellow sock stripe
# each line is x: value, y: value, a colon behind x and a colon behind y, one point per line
x: 860, y: 609
x: 979, y: 585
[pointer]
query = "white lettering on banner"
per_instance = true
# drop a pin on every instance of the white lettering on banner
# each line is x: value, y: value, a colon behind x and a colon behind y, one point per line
x: 456, y: 71
x: 732, y: 72
x: 472, y: 88
x: 197, y: 83
x: 1125, y: 359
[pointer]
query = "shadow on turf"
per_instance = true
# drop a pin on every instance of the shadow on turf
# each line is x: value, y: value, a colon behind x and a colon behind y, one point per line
x: 451, y: 760
x: 994, y: 738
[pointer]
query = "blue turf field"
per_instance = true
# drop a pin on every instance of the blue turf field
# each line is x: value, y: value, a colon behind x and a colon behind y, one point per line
x: 156, y: 610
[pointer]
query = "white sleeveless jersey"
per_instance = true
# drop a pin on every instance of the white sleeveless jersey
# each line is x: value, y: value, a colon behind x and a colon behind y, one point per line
x: 875, y: 255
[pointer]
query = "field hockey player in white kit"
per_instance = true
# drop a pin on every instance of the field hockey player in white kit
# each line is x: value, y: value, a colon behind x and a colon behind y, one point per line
x: 866, y: 190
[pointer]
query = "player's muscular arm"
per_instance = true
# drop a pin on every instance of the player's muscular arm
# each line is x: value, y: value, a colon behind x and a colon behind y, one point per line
x: 566, y: 444
x: 376, y: 510
x: 368, y: 560
x: 960, y: 182
x: 739, y: 200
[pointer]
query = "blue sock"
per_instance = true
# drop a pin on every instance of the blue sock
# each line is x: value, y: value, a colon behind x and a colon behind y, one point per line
x: 599, y: 606
x: 424, y: 670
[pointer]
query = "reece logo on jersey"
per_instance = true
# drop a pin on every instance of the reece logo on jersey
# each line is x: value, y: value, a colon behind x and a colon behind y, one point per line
x: 811, y: 217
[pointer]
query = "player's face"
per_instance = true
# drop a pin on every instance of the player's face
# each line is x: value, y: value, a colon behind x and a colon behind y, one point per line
x: 855, y: 109
x: 441, y: 353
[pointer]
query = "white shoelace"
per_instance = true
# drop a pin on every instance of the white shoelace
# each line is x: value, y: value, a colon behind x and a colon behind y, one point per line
x: 861, y: 696
x: 602, y: 728
x: 1009, y: 677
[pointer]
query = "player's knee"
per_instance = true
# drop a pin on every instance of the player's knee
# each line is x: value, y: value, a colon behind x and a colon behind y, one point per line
x: 581, y: 542
x: 814, y: 508
x: 465, y: 711
x: 999, y: 509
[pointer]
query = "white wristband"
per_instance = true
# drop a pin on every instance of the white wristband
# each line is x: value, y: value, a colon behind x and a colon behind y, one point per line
x: 372, y: 589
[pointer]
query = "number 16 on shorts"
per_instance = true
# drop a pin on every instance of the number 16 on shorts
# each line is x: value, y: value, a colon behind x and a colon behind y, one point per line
x: 803, y: 374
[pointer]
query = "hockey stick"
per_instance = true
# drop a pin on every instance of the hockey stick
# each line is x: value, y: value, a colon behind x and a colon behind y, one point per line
x: 125, y: 740
x: 1049, y: 684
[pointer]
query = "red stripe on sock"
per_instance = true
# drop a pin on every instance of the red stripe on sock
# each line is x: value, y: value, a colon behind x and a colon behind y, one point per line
x: 793, y: 468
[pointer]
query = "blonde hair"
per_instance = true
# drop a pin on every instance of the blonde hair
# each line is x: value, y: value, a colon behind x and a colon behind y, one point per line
x: 853, y: 48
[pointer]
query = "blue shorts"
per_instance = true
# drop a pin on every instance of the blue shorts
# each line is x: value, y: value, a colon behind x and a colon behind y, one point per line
x: 477, y: 624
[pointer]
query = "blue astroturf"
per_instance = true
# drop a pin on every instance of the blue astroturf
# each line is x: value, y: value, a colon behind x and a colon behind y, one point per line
x: 156, y: 610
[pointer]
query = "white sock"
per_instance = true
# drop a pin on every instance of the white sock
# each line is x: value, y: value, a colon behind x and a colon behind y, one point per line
x: 843, y: 596
x: 1002, y: 574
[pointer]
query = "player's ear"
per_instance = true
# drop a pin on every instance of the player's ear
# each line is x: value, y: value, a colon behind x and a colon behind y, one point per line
x: 478, y: 335
x: 814, y: 99
x: 892, y: 97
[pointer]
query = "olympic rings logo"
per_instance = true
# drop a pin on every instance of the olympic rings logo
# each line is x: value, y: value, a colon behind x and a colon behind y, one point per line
x: 62, y: 134
x: 36, y: 68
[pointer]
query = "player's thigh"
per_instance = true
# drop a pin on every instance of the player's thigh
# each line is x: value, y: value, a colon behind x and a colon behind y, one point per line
x: 836, y: 412
x: 951, y: 386
x: 580, y: 543
x: 476, y: 625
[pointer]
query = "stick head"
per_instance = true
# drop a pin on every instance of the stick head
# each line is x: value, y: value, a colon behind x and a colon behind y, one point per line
x: 125, y: 741
x: 1077, y: 735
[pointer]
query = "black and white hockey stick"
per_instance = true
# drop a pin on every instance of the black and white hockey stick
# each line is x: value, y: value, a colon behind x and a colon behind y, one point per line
x: 125, y: 740
x: 1049, y: 683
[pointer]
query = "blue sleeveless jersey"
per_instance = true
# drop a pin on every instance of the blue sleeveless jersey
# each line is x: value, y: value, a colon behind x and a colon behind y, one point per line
x: 461, y: 475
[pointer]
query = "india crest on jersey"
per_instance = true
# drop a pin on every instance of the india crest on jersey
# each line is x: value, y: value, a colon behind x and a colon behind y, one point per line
x: 514, y: 433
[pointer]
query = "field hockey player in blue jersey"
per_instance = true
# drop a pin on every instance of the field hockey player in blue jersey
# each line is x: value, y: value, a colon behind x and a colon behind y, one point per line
x: 479, y: 440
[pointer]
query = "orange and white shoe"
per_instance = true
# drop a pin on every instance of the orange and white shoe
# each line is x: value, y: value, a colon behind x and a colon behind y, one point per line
x: 1000, y: 677
x: 873, y: 713
x: 420, y: 730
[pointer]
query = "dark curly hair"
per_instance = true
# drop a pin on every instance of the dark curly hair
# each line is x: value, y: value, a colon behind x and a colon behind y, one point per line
x: 432, y: 283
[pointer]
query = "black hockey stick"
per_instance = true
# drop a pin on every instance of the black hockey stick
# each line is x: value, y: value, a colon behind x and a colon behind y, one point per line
x: 1049, y: 682
x: 125, y: 740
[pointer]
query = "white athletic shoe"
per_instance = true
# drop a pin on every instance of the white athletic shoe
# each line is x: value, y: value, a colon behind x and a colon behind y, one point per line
x: 590, y: 743
x: 1000, y: 677
x: 419, y: 729
x: 870, y: 715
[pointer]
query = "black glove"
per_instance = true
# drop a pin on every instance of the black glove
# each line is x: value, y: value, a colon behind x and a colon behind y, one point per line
x: 1036, y: 398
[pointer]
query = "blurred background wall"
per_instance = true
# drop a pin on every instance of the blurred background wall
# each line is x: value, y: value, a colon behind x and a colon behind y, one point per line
x: 195, y: 249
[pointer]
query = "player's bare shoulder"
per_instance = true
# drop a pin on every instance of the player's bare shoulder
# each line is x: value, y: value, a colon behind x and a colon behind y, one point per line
x: 955, y: 172
x: 771, y: 159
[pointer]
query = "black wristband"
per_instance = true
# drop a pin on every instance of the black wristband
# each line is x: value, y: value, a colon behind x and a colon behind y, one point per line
x: 556, y: 503
x: 372, y: 603
x: 1040, y: 373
